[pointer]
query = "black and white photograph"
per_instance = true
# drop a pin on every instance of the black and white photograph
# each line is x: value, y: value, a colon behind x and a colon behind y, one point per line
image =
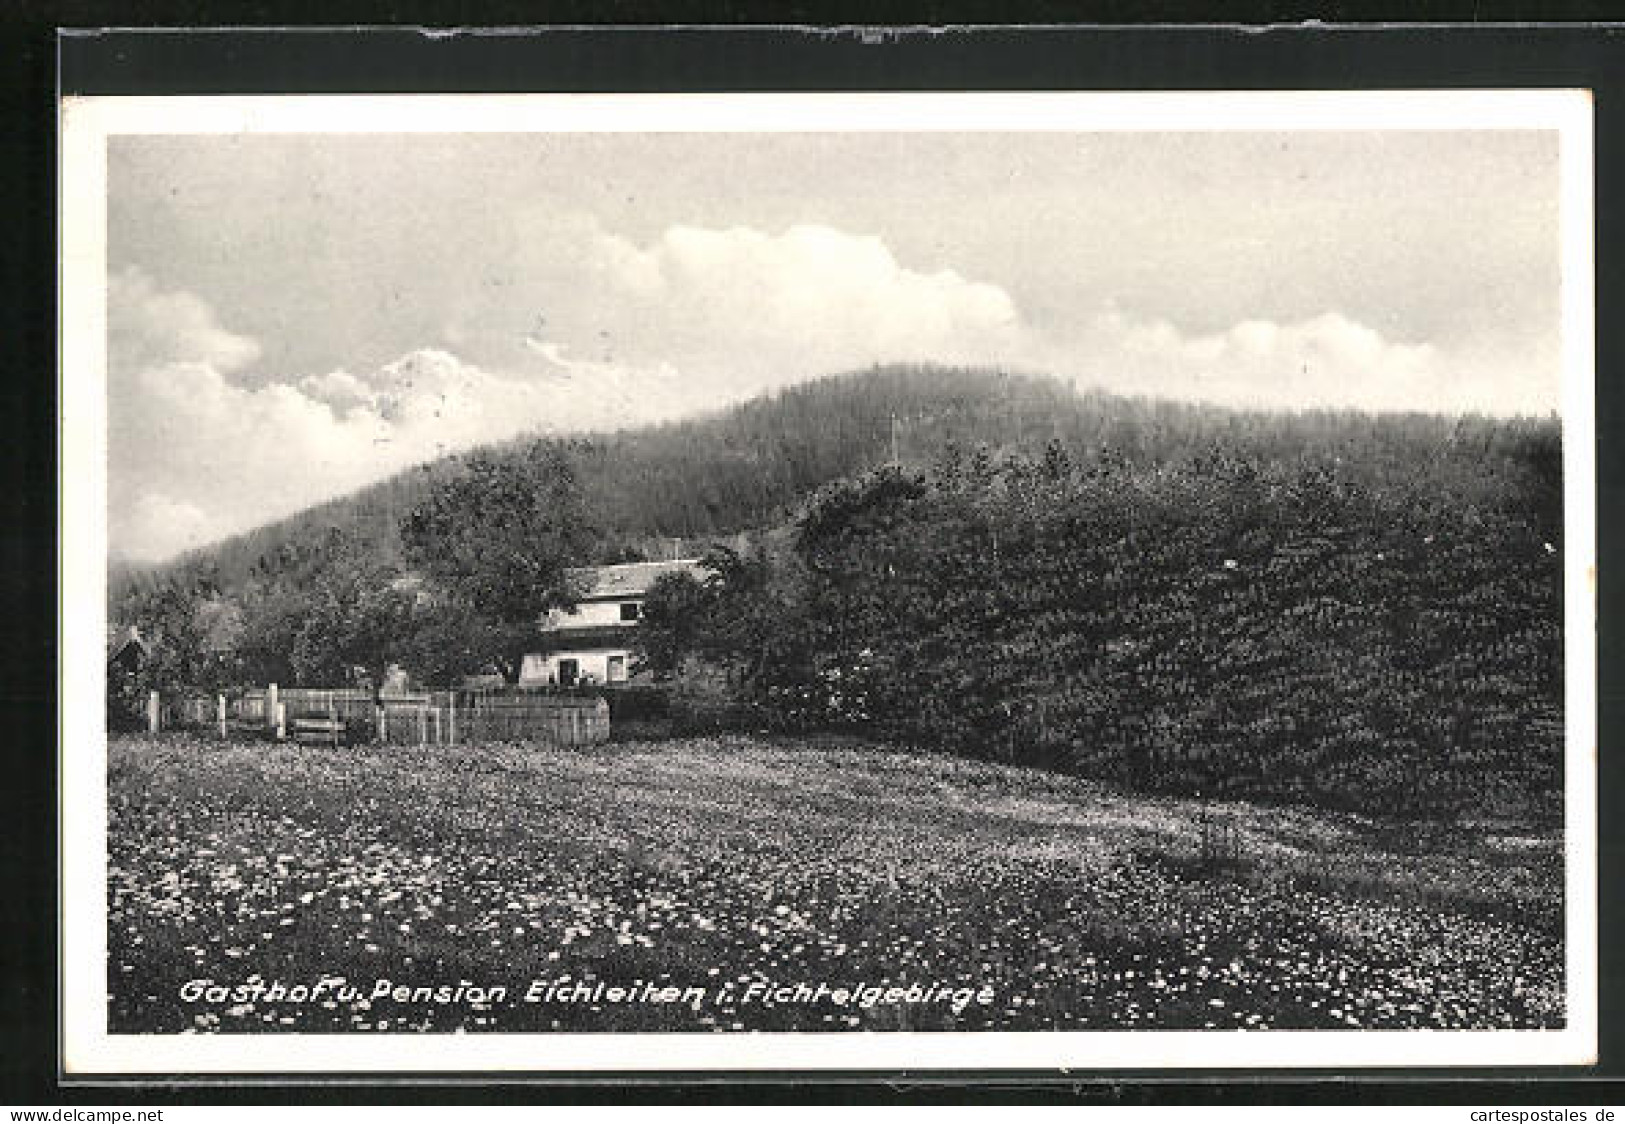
x: 828, y: 580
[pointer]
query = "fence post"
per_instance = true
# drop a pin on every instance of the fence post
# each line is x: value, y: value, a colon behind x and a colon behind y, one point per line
x: 333, y: 717
x: 423, y: 724
x: 280, y: 717
x: 270, y: 706
x: 379, y: 717
x: 220, y: 712
x: 451, y: 718
x: 154, y: 710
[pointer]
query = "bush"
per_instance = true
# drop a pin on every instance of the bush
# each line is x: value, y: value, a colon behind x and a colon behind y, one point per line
x: 706, y: 707
x: 636, y: 702
x: 1224, y: 626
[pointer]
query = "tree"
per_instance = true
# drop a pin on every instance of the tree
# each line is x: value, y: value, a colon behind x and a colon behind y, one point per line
x: 332, y: 611
x: 496, y: 542
x: 746, y: 619
x: 447, y: 643
x: 189, y: 632
x: 358, y: 617
x: 272, y: 615
x: 171, y: 617
x: 672, y: 623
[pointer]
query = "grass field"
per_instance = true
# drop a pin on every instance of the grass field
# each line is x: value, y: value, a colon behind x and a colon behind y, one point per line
x: 1025, y: 900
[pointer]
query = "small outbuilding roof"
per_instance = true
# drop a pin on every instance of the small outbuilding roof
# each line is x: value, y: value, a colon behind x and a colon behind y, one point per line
x: 122, y: 638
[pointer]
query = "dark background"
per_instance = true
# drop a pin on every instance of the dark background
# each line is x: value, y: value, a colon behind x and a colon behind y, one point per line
x: 1273, y: 49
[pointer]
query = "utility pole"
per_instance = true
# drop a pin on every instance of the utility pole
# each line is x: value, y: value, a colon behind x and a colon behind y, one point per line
x: 894, y: 459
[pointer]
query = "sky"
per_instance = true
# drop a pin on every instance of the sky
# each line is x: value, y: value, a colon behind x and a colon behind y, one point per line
x: 291, y: 317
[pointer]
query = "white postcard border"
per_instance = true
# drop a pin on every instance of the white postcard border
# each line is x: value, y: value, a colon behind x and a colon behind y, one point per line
x: 87, y: 123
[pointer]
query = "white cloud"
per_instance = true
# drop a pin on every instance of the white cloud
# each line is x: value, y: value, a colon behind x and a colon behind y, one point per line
x: 195, y: 455
x: 158, y: 526
x: 146, y: 324
x: 1325, y: 361
x: 750, y: 310
x: 241, y: 456
x: 739, y: 311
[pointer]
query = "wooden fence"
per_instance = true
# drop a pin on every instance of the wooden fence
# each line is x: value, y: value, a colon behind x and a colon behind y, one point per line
x: 398, y: 718
x: 523, y: 716
x: 350, y: 704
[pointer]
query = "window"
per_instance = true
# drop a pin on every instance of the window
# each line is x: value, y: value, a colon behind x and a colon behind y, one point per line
x: 631, y: 610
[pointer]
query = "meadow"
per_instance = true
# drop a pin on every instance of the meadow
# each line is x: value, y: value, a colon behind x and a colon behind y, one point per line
x: 705, y: 865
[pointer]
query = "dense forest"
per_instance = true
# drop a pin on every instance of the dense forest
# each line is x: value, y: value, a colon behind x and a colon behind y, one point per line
x: 1349, y: 609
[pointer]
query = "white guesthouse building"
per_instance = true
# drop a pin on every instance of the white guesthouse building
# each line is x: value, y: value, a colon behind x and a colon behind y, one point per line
x: 593, y: 642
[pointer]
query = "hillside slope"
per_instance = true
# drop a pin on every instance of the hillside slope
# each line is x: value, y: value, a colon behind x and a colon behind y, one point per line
x: 753, y: 465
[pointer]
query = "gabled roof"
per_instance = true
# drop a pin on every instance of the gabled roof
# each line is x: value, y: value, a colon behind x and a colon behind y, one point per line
x: 123, y: 638
x: 631, y: 579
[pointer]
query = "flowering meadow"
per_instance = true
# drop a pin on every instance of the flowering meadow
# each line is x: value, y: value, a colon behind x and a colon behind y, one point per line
x: 530, y: 888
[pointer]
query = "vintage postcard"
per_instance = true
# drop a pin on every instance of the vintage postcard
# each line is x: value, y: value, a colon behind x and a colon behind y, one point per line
x: 604, y: 583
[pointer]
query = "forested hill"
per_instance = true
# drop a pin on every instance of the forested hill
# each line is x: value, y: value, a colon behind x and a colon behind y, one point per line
x: 754, y: 464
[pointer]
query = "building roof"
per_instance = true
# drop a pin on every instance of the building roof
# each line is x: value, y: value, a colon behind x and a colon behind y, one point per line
x: 631, y: 579
x: 123, y: 638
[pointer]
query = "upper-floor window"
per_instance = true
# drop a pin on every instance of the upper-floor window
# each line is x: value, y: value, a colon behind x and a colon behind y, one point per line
x: 631, y: 610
